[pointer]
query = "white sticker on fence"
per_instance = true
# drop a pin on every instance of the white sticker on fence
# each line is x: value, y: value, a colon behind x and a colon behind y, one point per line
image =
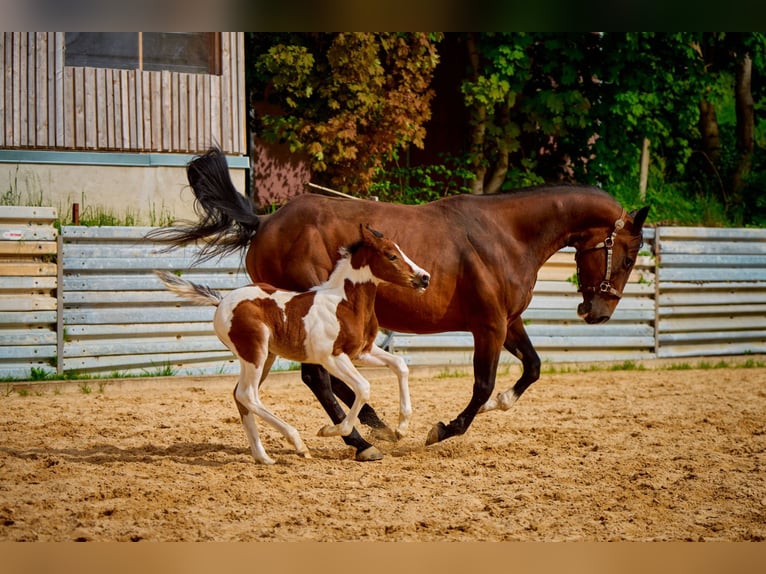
x: 13, y: 235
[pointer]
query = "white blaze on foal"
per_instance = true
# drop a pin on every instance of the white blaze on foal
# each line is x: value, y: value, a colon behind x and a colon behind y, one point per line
x: 333, y: 325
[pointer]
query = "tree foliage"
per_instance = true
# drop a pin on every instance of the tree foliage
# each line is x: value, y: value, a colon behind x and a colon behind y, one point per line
x: 348, y: 100
x: 539, y: 107
x: 577, y: 107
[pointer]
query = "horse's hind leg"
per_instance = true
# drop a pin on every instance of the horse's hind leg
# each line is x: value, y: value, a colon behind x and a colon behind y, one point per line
x: 248, y: 422
x: 517, y: 342
x: 318, y: 380
x: 248, y: 403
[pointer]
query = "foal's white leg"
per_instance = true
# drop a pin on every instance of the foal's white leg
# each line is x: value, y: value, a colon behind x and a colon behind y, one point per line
x: 288, y: 431
x: 377, y: 357
x: 246, y: 396
x: 242, y: 397
x: 341, y: 367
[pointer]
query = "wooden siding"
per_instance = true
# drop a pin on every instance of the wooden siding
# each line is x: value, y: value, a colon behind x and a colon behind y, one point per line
x: 47, y: 105
x: 28, y: 282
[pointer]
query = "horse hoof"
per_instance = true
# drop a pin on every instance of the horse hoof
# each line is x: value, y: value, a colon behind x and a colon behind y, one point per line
x: 266, y: 460
x: 436, y: 434
x: 384, y: 433
x: 369, y: 454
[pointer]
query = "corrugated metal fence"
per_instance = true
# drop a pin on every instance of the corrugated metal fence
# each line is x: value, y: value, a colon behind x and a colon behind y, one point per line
x: 703, y: 294
x: 711, y: 291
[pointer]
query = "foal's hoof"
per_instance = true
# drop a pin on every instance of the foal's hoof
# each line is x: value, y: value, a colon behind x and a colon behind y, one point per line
x: 437, y: 433
x: 266, y: 460
x: 330, y: 430
x: 369, y: 454
x: 384, y: 433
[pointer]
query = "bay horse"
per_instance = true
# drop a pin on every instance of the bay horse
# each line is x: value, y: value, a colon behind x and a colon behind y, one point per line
x: 483, y: 253
x: 332, y: 324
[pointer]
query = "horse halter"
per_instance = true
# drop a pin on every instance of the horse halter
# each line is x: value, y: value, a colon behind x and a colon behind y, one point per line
x: 606, y: 285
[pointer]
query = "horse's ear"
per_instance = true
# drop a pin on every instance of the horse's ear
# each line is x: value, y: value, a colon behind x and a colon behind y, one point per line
x: 377, y: 234
x: 639, y: 217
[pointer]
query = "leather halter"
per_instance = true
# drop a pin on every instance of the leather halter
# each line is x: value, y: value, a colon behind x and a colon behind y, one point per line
x: 605, y: 286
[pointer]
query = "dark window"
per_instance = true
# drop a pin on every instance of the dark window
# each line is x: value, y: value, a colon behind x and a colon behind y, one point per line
x: 102, y: 49
x: 190, y: 52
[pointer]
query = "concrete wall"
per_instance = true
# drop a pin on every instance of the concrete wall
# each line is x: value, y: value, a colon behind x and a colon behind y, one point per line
x: 151, y: 194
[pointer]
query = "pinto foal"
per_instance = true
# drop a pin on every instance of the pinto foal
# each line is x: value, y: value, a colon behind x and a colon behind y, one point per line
x: 333, y: 325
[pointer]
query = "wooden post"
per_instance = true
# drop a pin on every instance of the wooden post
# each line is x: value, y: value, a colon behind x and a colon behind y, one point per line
x: 644, y: 173
x: 75, y: 214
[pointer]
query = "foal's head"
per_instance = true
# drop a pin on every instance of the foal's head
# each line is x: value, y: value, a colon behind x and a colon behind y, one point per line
x: 386, y: 260
x: 604, y: 265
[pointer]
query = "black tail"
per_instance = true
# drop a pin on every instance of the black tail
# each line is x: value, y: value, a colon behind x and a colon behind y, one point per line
x: 227, y: 219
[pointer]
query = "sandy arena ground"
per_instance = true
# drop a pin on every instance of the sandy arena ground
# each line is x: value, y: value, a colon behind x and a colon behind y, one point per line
x: 586, y: 456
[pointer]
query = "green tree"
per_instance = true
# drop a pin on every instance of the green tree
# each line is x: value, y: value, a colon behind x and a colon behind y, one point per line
x: 529, y: 99
x: 348, y: 100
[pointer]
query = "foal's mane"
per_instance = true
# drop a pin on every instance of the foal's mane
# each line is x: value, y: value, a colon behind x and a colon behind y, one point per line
x: 348, y: 250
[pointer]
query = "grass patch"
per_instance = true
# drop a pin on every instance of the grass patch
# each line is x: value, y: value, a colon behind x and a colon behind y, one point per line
x: 552, y: 369
x: 628, y: 366
x: 448, y: 373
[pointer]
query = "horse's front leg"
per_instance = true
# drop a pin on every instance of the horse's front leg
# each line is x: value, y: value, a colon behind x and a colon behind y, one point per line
x: 367, y: 416
x: 342, y: 367
x: 517, y: 342
x: 318, y: 380
x: 487, y: 346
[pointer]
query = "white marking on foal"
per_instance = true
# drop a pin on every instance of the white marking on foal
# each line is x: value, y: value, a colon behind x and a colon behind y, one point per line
x: 259, y: 337
x: 418, y: 270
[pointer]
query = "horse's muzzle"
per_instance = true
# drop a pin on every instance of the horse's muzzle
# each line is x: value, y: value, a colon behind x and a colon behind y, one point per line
x: 588, y: 314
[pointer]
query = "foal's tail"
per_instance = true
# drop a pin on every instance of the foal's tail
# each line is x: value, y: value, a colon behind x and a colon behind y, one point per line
x: 196, y: 294
x: 227, y: 221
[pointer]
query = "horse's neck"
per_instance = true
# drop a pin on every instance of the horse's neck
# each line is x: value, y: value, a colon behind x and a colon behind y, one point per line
x: 567, y: 219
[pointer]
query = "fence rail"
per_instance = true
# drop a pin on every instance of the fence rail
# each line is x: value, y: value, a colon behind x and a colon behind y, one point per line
x: 86, y: 300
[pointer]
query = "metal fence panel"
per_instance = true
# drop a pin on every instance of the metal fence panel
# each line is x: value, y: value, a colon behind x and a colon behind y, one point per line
x: 712, y: 291
x: 119, y: 318
x: 95, y: 306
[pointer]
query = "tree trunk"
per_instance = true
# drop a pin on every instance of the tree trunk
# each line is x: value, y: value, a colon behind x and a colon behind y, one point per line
x: 500, y: 170
x: 709, y: 134
x: 643, y: 179
x: 478, y: 122
x: 745, y: 108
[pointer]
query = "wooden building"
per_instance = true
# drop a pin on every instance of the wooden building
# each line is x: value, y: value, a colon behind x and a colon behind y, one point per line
x: 109, y: 120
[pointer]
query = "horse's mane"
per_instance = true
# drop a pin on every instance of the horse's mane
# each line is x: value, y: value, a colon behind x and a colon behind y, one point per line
x: 555, y: 188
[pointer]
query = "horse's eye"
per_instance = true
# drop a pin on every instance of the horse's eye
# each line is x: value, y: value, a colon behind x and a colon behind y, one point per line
x: 392, y: 257
x: 629, y: 261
